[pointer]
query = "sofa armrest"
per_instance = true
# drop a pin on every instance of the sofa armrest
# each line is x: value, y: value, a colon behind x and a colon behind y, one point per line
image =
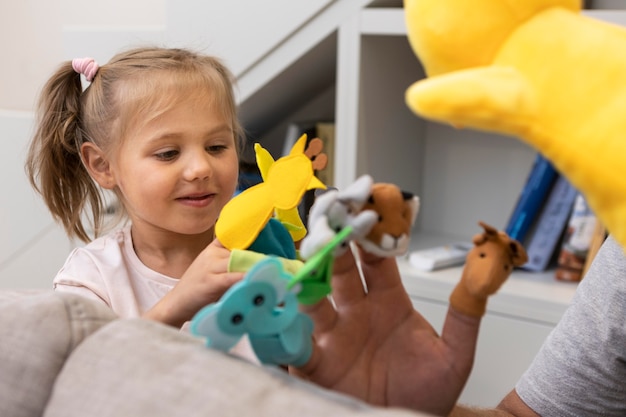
x: 140, y: 368
x: 39, y: 330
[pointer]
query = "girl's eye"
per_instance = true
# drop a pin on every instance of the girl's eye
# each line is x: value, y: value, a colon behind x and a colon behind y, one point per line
x: 216, y: 148
x: 166, y: 155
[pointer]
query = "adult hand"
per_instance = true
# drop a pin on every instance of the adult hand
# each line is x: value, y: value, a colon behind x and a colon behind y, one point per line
x: 373, y: 345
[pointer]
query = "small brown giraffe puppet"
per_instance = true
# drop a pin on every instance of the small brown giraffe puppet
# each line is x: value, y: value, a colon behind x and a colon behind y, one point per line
x: 489, y: 263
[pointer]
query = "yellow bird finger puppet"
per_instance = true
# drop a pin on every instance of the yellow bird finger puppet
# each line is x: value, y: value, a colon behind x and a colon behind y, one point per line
x: 270, y: 206
x: 537, y: 70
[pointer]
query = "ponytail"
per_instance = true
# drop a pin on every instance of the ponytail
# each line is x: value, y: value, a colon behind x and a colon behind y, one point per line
x: 54, y: 164
x: 69, y: 117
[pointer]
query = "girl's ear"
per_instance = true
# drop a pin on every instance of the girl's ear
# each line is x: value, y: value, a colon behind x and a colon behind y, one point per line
x: 98, y: 165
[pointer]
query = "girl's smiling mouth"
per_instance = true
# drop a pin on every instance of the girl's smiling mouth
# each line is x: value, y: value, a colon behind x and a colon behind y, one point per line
x: 196, y: 200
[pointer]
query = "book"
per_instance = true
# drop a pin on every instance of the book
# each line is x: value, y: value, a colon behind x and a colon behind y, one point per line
x: 540, y: 179
x: 545, y: 236
x: 576, y: 242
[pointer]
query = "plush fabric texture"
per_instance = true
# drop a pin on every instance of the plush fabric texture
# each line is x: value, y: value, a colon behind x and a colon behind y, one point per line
x: 535, y: 69
x: 284, y: 183
x: 242, y: 260
x: 140, y: 368
x: 274, y: 239
x: 39, y: 331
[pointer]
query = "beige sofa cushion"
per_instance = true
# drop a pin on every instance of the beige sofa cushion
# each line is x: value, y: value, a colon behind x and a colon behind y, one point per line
x: 39, y: 330
x: 140, y: 368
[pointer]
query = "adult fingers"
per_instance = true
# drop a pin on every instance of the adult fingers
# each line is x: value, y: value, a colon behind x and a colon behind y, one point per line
x: 309, y: 369
x: 347, y: 284
x: 380, y: 274
x: 323, y: 314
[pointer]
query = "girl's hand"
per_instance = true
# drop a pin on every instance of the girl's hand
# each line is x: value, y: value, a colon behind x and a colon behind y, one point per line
x: 204, y: 282
x: 373, y: 345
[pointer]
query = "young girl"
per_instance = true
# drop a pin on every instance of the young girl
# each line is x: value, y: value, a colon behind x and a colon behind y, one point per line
x: 158, y: 127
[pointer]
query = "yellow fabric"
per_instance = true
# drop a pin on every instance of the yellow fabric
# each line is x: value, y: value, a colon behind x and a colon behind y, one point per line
x: 284, y: 183
x: 289, y: 217
x: 535, y: 69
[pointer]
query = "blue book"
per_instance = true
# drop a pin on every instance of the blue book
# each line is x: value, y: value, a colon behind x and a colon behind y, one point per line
x: 538, y: 184
x: 544, y: 238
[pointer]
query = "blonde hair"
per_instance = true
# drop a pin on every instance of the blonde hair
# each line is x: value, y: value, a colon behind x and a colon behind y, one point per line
x: 128, y: 89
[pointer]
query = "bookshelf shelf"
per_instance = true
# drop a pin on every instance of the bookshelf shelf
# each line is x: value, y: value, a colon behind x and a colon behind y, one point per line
x: 446, y: 167
x: 534, y: 296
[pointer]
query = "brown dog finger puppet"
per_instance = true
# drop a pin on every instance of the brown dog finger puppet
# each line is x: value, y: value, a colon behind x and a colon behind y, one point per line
x: 488, y: 264
x: 396, y: 210
x: 380, y: 216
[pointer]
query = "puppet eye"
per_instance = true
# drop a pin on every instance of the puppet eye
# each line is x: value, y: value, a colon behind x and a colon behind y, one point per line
x: 259, y: 300
x: 380, y: 218
x: 482, y: 255
x: 236, y: 318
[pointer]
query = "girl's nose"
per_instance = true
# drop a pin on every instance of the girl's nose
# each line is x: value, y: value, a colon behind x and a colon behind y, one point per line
x: 197, y: 166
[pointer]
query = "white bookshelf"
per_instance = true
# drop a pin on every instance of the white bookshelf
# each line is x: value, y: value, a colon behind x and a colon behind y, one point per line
x: 461, y: 176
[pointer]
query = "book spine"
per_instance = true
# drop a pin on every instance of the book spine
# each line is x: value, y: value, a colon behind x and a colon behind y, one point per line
x: 544, y: 239
x: 532, y: 197
x: 576, y: 242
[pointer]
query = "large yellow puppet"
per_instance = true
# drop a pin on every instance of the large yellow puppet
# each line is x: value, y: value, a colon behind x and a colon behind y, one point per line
x: 535, y: 69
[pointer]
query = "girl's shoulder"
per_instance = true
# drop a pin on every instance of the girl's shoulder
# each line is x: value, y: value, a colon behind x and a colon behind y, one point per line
x: 107, y: 250
x: 112, y: 240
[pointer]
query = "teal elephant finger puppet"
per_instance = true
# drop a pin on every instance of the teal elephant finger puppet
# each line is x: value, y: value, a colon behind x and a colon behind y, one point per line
x: 538, y: 70
x: 262, y: 307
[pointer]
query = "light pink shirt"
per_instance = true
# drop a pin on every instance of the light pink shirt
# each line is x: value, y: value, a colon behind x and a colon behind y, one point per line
x: 109, y: 270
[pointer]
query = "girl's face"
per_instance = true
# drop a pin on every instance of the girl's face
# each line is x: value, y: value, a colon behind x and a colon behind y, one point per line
x: 177, y: 171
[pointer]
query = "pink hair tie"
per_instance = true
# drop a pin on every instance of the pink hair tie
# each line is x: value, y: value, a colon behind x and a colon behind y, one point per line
x: 86, y: 66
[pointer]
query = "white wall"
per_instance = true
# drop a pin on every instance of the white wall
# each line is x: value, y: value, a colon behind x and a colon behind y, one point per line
x: 36, y: 35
